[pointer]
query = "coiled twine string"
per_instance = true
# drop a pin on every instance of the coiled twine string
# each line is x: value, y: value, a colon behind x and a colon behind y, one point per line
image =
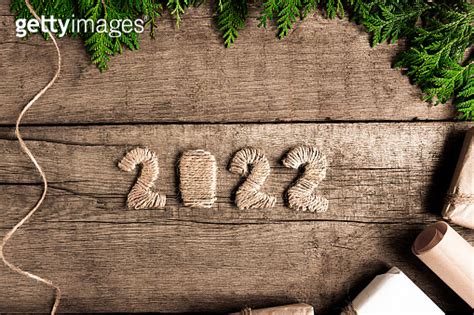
x: 25, y: 149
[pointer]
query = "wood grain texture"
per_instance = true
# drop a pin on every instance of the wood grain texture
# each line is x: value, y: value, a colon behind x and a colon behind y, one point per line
x: 385, y: 183
x: 324, y: 70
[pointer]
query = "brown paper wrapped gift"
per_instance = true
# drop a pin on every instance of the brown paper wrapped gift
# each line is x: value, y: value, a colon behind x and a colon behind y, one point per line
x: 292, y: 309
x: 459, y: 207
x: 392, y: 293
x: 450, y: 256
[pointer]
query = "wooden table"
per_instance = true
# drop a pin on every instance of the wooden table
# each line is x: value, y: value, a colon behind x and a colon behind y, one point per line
x: 391, y: 159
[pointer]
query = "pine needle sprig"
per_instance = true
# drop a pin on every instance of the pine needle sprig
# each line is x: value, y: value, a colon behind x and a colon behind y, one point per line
x: 268, y: 13
x: 334, y: 8
x: 99, y: 44
x: 285, y: 13
x: 231, y: 17
x: 435, y: 57
x: 308, y: 7
x: 289, y: 12
x: 465, y: 101
x: 450, y: 78
x: 149, y: 10
x: 388, y: 23
x: 100, y: 47
x: 178, y: 7
x: 103, y: 45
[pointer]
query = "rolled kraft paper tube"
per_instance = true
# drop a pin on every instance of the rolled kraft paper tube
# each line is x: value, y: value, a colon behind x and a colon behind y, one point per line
x: 450, y: 256
x: 459, y: 206
x: 292, y: 309
x: 392, y: 293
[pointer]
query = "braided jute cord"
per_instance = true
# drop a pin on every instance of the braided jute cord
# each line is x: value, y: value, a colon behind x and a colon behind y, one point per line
x: 25, y: 149
x: 302, y: 195
x: 248, y: 195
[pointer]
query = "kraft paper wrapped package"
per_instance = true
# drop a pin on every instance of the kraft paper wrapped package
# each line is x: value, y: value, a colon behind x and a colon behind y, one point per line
x: 449, y: 256
x: 292, y: 309
x: 392, y: 293
x: 459, y: 206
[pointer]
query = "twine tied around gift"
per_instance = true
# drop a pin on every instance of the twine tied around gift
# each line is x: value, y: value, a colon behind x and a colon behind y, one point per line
x: 248, y: 195
x: 141, y: 196
x: 349, y: 310
x: 301, y: 195
x: 246, y: 311
x: 197, y: 178
x: 25, y: 149
x: 459, y: 199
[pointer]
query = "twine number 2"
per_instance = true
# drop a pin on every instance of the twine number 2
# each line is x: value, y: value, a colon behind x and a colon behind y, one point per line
x: 301, y: 195
x: 141, y: 196
x: 251, y: 163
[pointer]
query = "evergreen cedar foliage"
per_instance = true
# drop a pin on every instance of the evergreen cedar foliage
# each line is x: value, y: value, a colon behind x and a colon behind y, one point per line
x: 439, y: 34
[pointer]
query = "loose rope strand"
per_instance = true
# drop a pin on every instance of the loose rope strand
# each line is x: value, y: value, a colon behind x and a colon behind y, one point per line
x: 25, y: 149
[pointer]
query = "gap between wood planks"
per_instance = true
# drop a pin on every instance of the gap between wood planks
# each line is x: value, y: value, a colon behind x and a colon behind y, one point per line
x: 279, y: 122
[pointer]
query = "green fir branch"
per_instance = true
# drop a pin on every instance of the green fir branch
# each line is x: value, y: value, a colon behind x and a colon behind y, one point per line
x: 390, y: 22
x: 176, y: 8
x: 231, y: 17
x: 334, y: 8
x: 465, y: 101
x: 289, y: 12
x: 437, y: 33
x: 448, y: 80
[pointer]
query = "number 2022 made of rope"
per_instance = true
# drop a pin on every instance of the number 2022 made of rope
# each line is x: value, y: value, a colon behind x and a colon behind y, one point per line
x: 197, y: 174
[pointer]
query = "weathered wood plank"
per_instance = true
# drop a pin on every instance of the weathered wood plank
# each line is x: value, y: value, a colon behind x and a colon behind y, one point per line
x: 374, y: 168
x: 183, y: 266
x: 5, y: 8
x: 385, y: 183
x: 325, y: 70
